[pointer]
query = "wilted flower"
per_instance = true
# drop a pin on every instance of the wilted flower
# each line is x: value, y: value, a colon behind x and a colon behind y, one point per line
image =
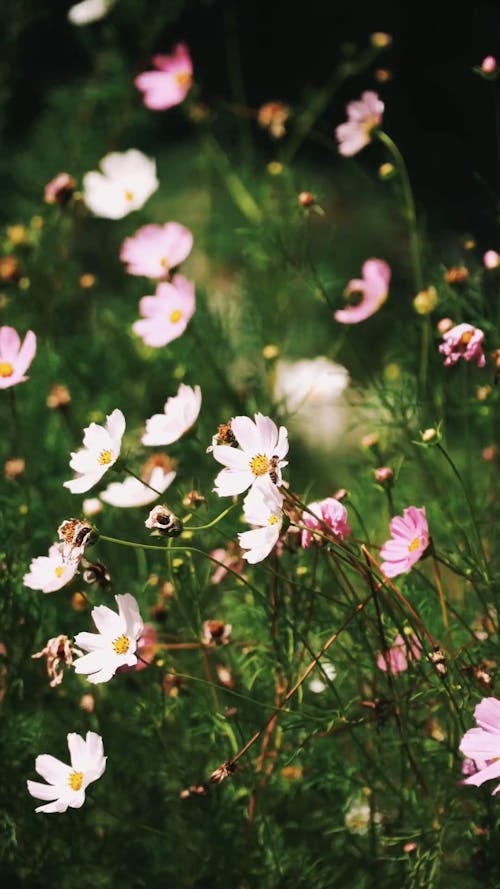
x: 216, y: 632
x: 224, y: 771
x: 127, y: 180
x: 272, y: 117
x: 58, y: 398
x: 363, y: 117
x: 410, y: 539
x: 230, y: 558
x: 101, y: 449
x: 327, y: 512
x: 260, y: 453
x: 163, y: 522
x: 60, y: 189
x: 59, y: 653
x: 170, y: 83
x: 166, y: 314
x: 396, y: 659
x: 463, y: 341
x: 262, y: 508
x: 75, y: 535
x: 456, y: 275
x: 318, y: 685
x: 482, y: 744
x: 14, y: 357
x: 132, y: 492
x: 372, y: 288
x: 52, y: 572
x: 193, y: 499
x: 67, y: 784
x: 179, y: 415
x: 156, y: 249
x: 14, y: 468
x: 115, y: 643
x: 491, y: 259
x: 89, y: 11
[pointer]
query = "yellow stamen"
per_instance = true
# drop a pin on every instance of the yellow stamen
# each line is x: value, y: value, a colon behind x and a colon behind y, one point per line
x: 414, y: 545
x: 58, y: 571
x: 105, y: 458
x: 6, y: 369
x: 164, y: 263
x: 129, y: 195
x: 122, y: 644
x: 183, y: 78
x: 466, y: 337
x: 272, y: 520
x: 75, y: 780
x: 175, y: 316
x: 260, y: 464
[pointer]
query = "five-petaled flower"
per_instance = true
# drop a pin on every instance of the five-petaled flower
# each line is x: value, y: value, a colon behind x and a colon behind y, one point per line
x: 115, y: 643
x: 179, y: 416
x: 170, y: 83
x: 463, y: 341
x: 410, y: 539
x: 372, y: 290
x: 261, y: 450
x: 262, y: 508
x: 14, y: 357
x: 52, y: 572
x: 101, y: 449
x: 482, y: 744
x: 166, y: 314
x: 126, y: 182
x: 156, y: 249
x: 363, y: 116
x: 67, y: 784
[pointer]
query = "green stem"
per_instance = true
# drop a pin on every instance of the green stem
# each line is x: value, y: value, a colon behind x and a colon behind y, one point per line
x: 214, y: 521
x: 235, y: 186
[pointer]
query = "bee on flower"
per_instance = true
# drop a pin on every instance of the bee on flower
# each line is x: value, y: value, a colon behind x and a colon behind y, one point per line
x: 258, y: 454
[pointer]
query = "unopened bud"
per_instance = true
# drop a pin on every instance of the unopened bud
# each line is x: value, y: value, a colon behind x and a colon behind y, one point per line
x: 429, y: 435
x: 369, y: 441
x: 341, y: 494
x: 161, y: 522
x: 87, y: 280
x: 383, y: 75
x: 489, y: 454
x: 458, y: 274
x: 380, y: 40
x: 483, y: 392
x: 60, y: 189
x: 270, y: 352
x: 14, y: 468
x: 87, y: 703
x: 384, y: 475
x: 274, y: 168
x: 305, y: 199
x: 444, y: 325
x: 387, y: 171
x: 489, y: 65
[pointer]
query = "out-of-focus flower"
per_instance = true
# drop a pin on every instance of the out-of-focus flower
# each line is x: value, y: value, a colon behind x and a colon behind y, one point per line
x: 326, y: 512
x: 483, y: 392
x: 489, y: 65
x: 87, y: 703
x: 272, y: 117
x: 115, y: 643
x: 410, y: 539
x: 101, y: 449
x: 60, y: 189
x: 444, y: 325
x: 463, y: 341
x: 91, y: 506
x: 58, y: 398
x: 131, y: 492
x: 458, y: 274
x: 491, y: 259
x: 163, y: 522
x: 156, y: 249
x: 86, y: 281
x: 372, y: 288
x: 126, y: 182
x: 359, y: 816
x: 147, y: 647
x: 426, y: 301
x: 318, y: 685
x: 179, y: 415
x: 262, y: 508
x: 66, y: 785
x: 52, y: 572
x: 261, y: 450
x: 9, y: 268
x: 166, y: 314
x: 482, y: 744
x: 194, y: 499
x: 384, y: 475
x: 95, y: 572
x: 270, y: 352
x: 17, y: 234
x: 396, y: 659
x: 387, y: 171
x: 14, y: 468
x: 488, y: 454
x: 216, y: 632
x: 89, y: 11
x: 59, y: 653
x: 383, y: 75
x: 225, y: 676
x: 79, y: 602
x: 170, y: 83
x: 230, y: 558
x: 363, y: 116
x: 380, y: 40
x: 75, y: 536
x: 305, y: 199
x: 14, y: 357
x: 369, y: 441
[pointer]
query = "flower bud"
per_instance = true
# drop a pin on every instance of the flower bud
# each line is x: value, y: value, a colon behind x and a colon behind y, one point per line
x: 87, y: 280
x: 305, y: 199
x: 79, y: 602
x: 163, y: 523
x: 14, y: 468
x: 457, y: 274
x: 489, y: 65
x: 429, y: 435
x: 380, y: 40
x: 383, y: 75
x: 58, y: 398
x: 270, y: 352
x: 387, y: 171
x: 489, y: 454
x: 17, y: 234
x: 384, y: 475
x: 369, y: 441
x: 483, y: 392
x: 9, y: 268
x: 274, y: 168
x: 87, y: 703
x: 444, y: 325
x: 341, y: 494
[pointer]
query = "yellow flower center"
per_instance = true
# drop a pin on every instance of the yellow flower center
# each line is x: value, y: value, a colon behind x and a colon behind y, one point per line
x: 466, y: 337
x: 105, y: 458
x: 122, y: 644
x: 6, y: 369
x: 369, y: 124
x: 183, y: 78
x: 75, y: 780
x: 414, y: 545
x: 58, y: 571
x: 175, y: 316
x: 129, y: 195
x: 273, y: 519
x: 260, y: 464
x: 164, y: 263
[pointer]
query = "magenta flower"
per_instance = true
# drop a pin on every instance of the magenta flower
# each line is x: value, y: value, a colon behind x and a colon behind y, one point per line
x: 410, y: 539
x: 397, y: 658
x: 362, y: 117
x: 482, y: 744
x: 14, y: 357
x: 373, y: 289
x: 463, y: 341
x: 329, y: 512
x: 156, y: 249
x: 166, y: 314
x: 170, y: 84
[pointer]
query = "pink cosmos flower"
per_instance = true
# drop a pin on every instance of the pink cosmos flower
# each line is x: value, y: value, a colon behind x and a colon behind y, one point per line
x: 410, y: 538
x: 230, y: 558
x: 362, y: 117
x: 156, y: 249
x: 166, y: 314
x: 329, y: 512
x: 147, y: 647
x: 489, y: 65
x: 170, y: 84
x: 14, y: 358
x: 373, y: 289
x: 397, y: 658
x: 482, y: 744
x: 463, y: 341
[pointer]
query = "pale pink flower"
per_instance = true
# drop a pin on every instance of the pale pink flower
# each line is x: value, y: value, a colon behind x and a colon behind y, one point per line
x: 14, y: 357
x: 230, y: 558
x: 489, y: 65
x: 156, y: 249
x: 115, y: 644
x: 60, y: 189
x: 166, y: 314
x: 482, y: 744
x: 179, y: 416
x: 463, y: 341
x: 125, y: 182
x: 403, y: 652
x: 363, y: 116
x: 170, y: 84
x: 329, y: 512
x: 410, y: 539
x: 491, y: 260
x: 373, y: 289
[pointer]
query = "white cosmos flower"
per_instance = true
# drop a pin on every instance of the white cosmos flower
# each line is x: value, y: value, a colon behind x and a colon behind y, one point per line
x: 179, y: 415
x: 312, y: 392
x: 317, y: 685
x: 127, y: 180
x: 101, y: 448
x: 50, y: 573
x: 132, y: 492
x: 89, y: 11
x: 67, y: 784
x: 115, y: 643
x: 262, y: 507
x: 260, y: 454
